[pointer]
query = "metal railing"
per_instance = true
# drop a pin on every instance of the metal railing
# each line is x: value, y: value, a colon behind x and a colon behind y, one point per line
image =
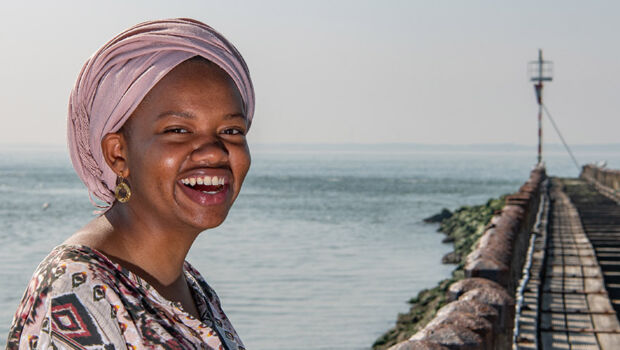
x: 539, y: 231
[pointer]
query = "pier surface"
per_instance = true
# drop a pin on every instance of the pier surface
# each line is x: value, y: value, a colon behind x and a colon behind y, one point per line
x: 573, y: 298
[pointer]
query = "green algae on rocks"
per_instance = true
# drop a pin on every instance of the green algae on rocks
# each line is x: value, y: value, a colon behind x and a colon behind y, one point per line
x: 464, y: 227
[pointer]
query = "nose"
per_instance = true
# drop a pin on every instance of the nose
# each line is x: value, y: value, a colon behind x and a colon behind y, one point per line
x: 210, y: 153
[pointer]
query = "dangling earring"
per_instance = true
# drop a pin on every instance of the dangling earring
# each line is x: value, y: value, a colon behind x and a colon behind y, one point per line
x: 122, y: 192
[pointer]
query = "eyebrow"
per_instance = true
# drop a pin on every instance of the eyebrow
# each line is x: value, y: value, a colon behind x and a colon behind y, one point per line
x: 185, y: 115
x: 188, y: 115
x: 235, y: 115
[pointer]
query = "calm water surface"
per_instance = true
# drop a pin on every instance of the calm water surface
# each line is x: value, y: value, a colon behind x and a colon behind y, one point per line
x: 323, y: 248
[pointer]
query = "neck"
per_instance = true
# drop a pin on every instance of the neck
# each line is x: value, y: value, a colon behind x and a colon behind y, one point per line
x: 153, y: 251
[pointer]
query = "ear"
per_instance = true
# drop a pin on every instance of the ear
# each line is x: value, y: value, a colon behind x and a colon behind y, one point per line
x: 114, y: 148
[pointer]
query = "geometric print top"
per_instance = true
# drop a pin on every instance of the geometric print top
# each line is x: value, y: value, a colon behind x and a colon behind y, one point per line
x: 80, y: 299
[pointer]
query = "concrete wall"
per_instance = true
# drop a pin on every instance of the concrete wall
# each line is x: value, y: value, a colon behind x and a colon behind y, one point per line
x: 606, y: 180
x: 480, y: 314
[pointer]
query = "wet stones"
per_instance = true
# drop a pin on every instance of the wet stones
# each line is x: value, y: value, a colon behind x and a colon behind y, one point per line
x: 444, y: 214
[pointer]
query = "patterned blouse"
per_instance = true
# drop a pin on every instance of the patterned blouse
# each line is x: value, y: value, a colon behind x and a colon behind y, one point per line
x: 79, y: 299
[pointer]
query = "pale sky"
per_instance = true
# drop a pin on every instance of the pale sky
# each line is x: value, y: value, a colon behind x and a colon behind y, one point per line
x: 434, y: 72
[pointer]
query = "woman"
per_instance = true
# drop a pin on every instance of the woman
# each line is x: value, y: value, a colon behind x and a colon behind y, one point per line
x: 157, y: 124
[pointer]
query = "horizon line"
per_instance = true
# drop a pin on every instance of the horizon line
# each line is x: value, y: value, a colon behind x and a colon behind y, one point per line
x: 30, y: 145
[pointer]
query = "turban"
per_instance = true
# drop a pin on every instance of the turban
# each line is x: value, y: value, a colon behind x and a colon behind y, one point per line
x: 116, y: 78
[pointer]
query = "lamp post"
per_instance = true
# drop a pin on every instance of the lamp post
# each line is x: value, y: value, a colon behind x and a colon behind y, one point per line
x: 540, y: 71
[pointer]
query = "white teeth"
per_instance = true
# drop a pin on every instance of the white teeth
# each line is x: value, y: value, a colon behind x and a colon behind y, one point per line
x: 206, y: 180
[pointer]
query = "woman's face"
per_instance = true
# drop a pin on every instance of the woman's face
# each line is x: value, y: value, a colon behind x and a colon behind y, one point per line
x: 186, y: 149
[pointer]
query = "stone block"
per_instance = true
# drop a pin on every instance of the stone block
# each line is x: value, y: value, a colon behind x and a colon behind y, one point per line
x: 451, y: 336
x: 497, y: 298
x: 418, y: 345
x: 465, y: 285
x: 490, y: 268
x: 473, y: 322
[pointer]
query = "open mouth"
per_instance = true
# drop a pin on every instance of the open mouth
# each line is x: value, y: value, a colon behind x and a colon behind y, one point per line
x: 205, y: 184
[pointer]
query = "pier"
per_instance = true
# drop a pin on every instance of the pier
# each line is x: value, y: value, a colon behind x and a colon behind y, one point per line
x: 544, y: 275
x: 573, y: 301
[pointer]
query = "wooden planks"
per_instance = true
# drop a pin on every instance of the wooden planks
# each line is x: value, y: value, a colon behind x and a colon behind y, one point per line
x: 576, y: 312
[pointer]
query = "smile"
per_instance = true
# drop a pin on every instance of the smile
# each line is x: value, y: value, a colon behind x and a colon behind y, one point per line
x: 205, y: 184
x: 205, y: 189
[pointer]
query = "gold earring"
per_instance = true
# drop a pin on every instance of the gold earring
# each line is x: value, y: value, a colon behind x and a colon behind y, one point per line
x: 122, y: 192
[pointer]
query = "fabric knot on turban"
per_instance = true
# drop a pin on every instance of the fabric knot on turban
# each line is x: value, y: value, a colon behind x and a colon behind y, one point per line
x: 117, y: 77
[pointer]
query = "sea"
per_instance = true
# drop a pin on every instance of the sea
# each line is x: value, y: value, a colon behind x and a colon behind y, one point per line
x: 324, y: 246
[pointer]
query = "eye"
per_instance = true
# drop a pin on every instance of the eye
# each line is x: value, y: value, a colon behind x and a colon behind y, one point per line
x: 233, y: 131
x: 176, y: 130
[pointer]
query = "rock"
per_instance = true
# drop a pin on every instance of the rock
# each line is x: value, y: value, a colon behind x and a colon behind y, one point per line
x: 451, y: 336
x: 475, y: 307
x: 451, y: 258
x: 495, y: 243
x: 497, y: 298
x: 464, y: 319
x: 488, y: 267
x: 473, y: 322
x: 465, y: 285
x: 447, y: 239
x: 418, y: 345
x: 444, y: 214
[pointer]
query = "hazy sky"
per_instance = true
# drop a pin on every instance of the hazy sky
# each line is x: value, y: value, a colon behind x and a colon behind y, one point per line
x: 348, y: 71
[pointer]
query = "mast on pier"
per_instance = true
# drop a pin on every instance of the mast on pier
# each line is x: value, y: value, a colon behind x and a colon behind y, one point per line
x: 539, y: 72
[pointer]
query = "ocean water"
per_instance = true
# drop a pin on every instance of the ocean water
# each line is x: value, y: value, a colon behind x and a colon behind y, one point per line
x: 323, y: 247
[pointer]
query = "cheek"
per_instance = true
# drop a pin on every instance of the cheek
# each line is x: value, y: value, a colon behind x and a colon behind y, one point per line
x: 166, y: 165
x: 241, y: 164
x: 168, y: 162
x: 155, y: 168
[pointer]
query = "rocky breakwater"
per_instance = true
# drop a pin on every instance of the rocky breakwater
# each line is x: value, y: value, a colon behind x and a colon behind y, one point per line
x: 479, y: 313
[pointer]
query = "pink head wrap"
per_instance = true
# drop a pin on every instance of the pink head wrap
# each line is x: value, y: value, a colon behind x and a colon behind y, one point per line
x: 117, y: 77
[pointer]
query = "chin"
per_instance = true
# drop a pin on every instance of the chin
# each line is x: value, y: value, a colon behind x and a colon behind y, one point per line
x: 210, y: 221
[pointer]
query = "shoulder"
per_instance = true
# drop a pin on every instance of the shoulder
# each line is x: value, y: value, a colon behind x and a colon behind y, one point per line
x: 67, y: 296
x: 71, y: 268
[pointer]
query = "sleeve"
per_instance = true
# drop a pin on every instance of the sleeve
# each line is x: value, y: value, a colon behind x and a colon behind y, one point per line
x: 76, y: 314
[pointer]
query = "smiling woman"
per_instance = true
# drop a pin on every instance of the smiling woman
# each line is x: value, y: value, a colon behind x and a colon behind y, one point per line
x: 157, y: 125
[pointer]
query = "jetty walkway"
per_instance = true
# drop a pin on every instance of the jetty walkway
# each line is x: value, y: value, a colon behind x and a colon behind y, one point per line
x: 545, y: 274
x: 572, y: 299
